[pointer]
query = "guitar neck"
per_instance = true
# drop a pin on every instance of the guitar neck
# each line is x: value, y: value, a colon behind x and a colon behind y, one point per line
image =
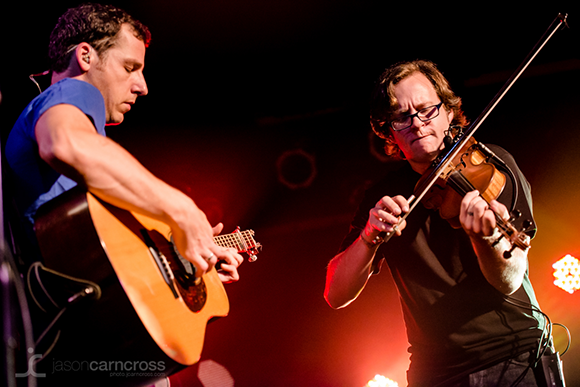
x: 242, y: 241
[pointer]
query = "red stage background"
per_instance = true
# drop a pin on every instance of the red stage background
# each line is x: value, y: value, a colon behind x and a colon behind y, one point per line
x: 259, y: 111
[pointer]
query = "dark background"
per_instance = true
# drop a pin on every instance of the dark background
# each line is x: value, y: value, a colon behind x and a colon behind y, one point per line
x: 259, y: 111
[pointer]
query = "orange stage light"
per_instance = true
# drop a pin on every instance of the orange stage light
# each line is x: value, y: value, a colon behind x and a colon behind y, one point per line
x: 381, y: 381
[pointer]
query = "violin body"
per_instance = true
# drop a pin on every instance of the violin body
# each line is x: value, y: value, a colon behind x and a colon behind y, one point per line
x: 469, y: 170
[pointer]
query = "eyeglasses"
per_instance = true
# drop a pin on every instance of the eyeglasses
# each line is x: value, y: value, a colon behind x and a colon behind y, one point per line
x: 424, y: 115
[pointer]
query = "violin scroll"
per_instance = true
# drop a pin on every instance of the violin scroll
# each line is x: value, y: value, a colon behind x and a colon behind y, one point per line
x: 518, y: 239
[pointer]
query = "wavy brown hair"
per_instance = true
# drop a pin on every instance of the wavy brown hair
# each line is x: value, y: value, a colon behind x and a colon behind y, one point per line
x: 95, y: 24
x: 384, y: 103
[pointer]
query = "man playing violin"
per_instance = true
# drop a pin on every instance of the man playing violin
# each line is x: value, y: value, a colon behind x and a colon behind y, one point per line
x: 471, y: 314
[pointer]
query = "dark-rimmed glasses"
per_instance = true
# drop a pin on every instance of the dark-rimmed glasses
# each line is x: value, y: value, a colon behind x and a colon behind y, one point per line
x: 424, y: 115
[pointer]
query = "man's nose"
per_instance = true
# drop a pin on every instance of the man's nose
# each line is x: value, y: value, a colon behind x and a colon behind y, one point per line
x: 416, y: 123
x: 140, y: 87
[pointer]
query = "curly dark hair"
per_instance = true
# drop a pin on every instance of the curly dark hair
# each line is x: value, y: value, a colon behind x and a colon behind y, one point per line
x: 94, y: 24
x: 384, y: 103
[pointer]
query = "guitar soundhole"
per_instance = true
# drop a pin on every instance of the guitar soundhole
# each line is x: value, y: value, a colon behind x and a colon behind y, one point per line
x: 192, y: 289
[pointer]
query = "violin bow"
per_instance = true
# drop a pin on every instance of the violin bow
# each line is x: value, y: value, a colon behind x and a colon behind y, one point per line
x: 414, y: 199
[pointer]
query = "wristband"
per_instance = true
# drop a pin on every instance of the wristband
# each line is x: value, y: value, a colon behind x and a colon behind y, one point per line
x: 374, y: 243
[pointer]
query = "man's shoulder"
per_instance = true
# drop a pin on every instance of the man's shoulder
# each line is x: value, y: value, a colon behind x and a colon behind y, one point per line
x: 71, y: 88
x: 68, y: 90
x: 78, y: 93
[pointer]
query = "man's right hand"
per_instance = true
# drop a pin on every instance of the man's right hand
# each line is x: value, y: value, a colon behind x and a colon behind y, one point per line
x: 193, y: 237
x: 385, y: 215
x: 195, y: 241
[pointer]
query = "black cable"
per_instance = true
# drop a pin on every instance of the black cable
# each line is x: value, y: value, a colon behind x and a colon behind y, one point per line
x: 546, y: 332
x: 569, y: 337
x: 546, y: 338
x: 89, y: 289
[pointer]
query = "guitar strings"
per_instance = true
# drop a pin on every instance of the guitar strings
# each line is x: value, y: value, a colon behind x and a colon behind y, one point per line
x: 241, y: 240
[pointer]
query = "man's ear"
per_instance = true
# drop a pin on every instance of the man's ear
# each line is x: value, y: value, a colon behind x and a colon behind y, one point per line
x: 83, y: 55
x: 450, y: 116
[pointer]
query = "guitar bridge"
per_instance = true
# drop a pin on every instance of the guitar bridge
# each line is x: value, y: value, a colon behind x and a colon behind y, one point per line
x: 161, y: 262
x: 182, y: 279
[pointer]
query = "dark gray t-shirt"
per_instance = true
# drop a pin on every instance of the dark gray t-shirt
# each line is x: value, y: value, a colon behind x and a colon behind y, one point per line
x: 456, y: 322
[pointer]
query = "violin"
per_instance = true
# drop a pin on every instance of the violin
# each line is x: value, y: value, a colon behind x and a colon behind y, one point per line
x: 473, y: 169
x: 466, y: 167
x: 470, y: 170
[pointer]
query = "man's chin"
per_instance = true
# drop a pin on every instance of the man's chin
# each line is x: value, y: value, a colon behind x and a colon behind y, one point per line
x: 112, y: 121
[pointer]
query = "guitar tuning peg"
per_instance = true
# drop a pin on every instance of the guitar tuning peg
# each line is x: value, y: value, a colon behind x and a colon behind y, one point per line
x: 253, y: 252
x: 527, y: 224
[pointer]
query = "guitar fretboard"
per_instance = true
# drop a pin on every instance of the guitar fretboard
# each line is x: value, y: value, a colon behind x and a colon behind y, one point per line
x: 241, y: 241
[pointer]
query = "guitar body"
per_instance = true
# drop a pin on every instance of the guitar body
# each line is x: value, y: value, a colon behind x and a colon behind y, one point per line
x: 140, y: 316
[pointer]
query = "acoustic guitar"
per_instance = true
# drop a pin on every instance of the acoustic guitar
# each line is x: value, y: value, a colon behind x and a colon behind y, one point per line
x: 150, y: 304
